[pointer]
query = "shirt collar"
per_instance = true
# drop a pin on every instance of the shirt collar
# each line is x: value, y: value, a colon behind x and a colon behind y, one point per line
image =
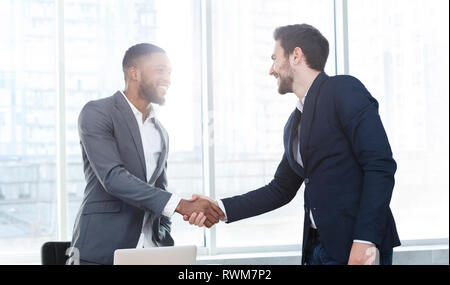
x: 136, y: 112
x: 301, y: 103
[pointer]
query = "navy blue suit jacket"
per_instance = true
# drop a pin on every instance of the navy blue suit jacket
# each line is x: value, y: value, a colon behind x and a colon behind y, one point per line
x: 348, y: 169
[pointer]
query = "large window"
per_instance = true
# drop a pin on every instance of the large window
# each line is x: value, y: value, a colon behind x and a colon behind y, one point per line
x: 399, y: 50
x: 97, y: 34
x: 249, y: 114
x: 27, y: 128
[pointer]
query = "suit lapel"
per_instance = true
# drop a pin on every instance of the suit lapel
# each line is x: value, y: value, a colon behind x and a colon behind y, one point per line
x: 130, y: 121
x: 308, y: 116
x: 164, y: 152
x: 292, y: 134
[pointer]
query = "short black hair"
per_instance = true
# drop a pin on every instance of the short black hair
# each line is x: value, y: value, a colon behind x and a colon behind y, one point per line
x: 132, y: 54
x: 314, y: 45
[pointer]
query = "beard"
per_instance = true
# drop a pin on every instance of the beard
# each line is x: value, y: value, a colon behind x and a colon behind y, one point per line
x: 149, y: 92
x: 286, y: 81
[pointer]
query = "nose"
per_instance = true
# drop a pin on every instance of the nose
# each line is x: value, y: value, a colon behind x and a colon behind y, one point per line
x: 271, y: 71
x: 166, y: 80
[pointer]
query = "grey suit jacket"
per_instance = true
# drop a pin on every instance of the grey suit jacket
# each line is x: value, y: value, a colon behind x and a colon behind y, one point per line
x: 117, y: 195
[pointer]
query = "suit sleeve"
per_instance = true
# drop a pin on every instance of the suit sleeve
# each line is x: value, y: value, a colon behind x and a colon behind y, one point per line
x: 97, y: 139
x: 358, y: 114
x: 280, y: 191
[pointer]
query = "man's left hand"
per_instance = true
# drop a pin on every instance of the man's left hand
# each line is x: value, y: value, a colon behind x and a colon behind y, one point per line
x: 362, y: 254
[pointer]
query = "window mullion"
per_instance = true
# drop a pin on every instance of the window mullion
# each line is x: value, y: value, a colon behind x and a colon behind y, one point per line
x: 61, y: 189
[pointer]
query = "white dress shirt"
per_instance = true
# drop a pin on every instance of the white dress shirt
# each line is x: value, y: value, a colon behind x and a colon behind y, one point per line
x: 152, y: 146
x: 298, y: 158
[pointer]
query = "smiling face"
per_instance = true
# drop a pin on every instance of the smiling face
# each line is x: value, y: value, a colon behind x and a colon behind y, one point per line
x: 154, y: 79
x: 281, y: 70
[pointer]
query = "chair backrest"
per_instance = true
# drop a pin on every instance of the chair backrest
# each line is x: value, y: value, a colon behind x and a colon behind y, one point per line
x: 54, y: 252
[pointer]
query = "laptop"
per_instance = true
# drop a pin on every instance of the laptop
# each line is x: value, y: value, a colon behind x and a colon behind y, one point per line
x: 171, y: 255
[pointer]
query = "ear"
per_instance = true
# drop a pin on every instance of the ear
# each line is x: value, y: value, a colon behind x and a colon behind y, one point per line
x: 297, y: 56
x: 134, y: 74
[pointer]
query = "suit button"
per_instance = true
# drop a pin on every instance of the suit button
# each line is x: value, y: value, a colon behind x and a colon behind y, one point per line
x: 306, y: 180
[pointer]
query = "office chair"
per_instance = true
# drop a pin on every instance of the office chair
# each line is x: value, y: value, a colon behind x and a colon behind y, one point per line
x: 54, y: 252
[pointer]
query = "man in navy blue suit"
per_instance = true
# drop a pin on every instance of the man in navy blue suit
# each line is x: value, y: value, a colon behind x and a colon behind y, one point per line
x: 336, y: 144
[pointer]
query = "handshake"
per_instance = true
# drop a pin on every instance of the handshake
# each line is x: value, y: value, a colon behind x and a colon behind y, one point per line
x: 200, y: 210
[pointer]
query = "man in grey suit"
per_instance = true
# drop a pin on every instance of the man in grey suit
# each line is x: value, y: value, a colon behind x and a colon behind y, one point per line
x: 124, y: 147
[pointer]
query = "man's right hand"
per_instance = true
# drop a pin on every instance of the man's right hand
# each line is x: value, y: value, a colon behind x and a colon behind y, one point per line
x: 201, y: 205
x: 199, y: 219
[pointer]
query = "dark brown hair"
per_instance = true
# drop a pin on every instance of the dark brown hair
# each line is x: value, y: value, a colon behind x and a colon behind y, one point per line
x: 315, y: 47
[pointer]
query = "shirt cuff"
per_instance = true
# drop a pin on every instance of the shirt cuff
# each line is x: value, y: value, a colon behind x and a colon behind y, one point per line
x: 363, y: 241
x: 171, y: 206
x: 222, y: 207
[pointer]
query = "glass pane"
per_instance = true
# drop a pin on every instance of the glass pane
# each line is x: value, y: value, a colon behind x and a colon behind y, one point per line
x: 249, y: 113
x: 27, y: 125
x: 399, y: 50
x: 97, y: 35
